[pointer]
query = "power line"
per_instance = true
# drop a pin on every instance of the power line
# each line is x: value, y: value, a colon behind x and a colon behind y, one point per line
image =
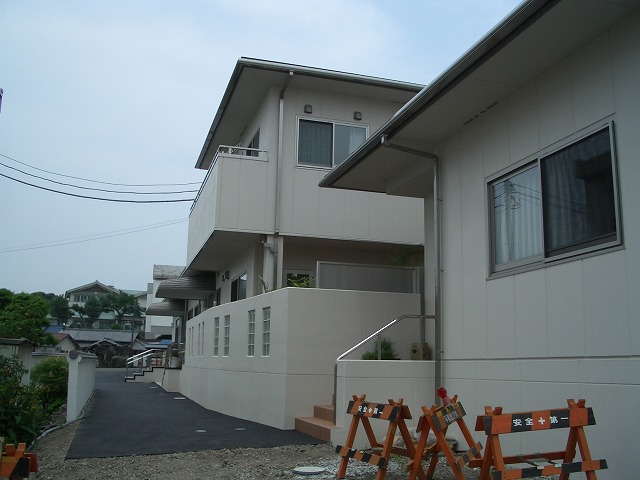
x: 90, y: 238
x: 96, y: 198
x: 96, y: 189
x: 98, y: 181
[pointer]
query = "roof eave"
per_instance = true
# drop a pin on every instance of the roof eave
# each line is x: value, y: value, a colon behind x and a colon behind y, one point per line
x: 522, y: 16
x: 285, y: 68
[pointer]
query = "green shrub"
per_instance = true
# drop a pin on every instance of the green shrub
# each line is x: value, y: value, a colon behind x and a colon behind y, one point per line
x: 387, y: 351
x: 50, y: 377
x: 21, y: 414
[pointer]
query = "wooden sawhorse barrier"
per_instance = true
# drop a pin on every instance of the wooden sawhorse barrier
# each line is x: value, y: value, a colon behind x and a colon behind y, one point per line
x: 395, y: 413
x: 16, y: 462
x: 495, y: 423
x: 438, y: 419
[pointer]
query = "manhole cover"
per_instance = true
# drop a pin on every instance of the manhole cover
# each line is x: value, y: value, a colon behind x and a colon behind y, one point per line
x: 308, y: 470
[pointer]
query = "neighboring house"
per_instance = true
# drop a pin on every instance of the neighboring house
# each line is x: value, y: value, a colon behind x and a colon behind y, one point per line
x: 64, y: 344
x: 159, y: 321
x: 259, y: 345
x: 80, y: 295
x: 87, y: 337
x: 526, y: 153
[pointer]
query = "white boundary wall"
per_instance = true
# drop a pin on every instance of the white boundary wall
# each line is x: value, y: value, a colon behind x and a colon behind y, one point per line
x: 310, y: 328
x: 82, y: 382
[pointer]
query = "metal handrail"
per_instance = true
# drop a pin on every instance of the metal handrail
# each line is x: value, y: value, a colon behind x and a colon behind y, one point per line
x: 379, y: 343
x: 140, y: 356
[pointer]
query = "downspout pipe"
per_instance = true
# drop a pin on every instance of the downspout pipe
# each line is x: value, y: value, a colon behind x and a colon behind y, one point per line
x: 278, y: 193
x: 437, y: 287
x: 279, y: 156
x: 437, y: 239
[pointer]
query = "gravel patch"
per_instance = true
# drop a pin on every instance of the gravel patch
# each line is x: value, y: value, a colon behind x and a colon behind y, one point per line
x: 236, y: 464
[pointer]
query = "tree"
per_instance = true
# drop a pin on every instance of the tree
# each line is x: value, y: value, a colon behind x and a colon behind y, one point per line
x: 25, y: 316
x: 50, y: 376
x: 5, y: 298
x: 60, y: 308
x: 92, y: 309
x: 122, y: 304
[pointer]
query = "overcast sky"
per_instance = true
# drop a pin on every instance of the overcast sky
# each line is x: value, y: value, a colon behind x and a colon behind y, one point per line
x: 124, y: 91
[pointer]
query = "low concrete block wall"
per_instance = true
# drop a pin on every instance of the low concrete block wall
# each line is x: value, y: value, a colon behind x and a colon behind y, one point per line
x: 82, y: 382
x: 380, y: 380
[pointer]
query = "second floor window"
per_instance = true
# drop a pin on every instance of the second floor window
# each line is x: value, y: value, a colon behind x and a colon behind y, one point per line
x: 327, y: 144
x: 239, y: 288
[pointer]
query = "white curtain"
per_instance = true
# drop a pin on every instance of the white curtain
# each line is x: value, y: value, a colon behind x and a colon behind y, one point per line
x: 517, y: 217
x: 348, y: 138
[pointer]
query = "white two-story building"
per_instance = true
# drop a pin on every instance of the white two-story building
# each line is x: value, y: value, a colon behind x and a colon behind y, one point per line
x: 283, y: 276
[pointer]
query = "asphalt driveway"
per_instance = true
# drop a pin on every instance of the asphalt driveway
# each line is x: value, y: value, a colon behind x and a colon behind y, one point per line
x: 143, y: 419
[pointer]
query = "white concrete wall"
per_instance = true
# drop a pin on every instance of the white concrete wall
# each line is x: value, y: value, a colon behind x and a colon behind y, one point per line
x: 82, y: 381
x: 568, y: 330
x: 310, y: 328
x: 412, y: 381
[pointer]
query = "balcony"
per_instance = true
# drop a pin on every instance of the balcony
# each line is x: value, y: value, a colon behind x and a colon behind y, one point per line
x: 235, y: 203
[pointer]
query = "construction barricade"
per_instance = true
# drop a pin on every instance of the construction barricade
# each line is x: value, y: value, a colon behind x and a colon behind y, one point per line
x: 495, y: 423
x: 16, y: 462
x: 438, y: 420
x: 394, y: 412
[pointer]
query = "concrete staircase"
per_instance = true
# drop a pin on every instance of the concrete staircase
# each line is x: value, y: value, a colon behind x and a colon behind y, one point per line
x: 320, y: 425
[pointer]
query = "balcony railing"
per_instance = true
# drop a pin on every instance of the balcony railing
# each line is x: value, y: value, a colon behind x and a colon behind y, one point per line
x: 242, y: 153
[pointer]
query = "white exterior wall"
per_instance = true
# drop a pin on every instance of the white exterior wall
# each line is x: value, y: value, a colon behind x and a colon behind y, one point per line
x: 237, y: 266
x: 531, y: 340
x: 239, y: 195
x: 310, y: 328
x: 308, y: 210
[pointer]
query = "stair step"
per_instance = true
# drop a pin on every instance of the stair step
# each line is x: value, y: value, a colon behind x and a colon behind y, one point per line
x: 325, y: 412
x: 315, y: 427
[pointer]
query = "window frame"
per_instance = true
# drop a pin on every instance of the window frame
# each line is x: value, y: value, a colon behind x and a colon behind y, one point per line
x: 266, y: 331
x: 226, y: 348
x: 578, y: 250
x: 235, y: 285
x: 333, y: 124
x: 251, y: 334
x: 216, y: 336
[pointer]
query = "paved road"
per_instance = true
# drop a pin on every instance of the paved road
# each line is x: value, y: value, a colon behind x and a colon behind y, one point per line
x: 142, y: 419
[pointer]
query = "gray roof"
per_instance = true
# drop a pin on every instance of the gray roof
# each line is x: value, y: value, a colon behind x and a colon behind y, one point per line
x: 534, y: 37
x: 92, y: 336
